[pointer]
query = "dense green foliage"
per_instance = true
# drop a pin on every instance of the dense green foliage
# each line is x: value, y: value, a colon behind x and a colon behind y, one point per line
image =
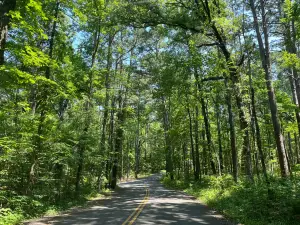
x: 246, y: 203
x: 92, y: 91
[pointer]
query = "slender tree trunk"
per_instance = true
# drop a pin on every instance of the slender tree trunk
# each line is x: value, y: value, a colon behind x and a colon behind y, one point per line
x: 5, y: 7
x: 169, y: 160
x: 82, y: 146
x: 234, y: 154
x: 297, y: 148
x: 290, y: 149
x: 208, y: 135
x: 197, y: 156
x: 81, y: 150
x: 106, y: 103
x: 127, y: 160
x: 192, y: 142
x: 185, y: 162
x: 257, y: 128
x: 137, y: 142
x: 121, y: 118
x: 266, y: 64
x: 255, y: 160
x: 43, y: 104
x: 219, y: 138
x: 234, y: 77
x: 295, y: 97
x: 111, y: 143
x: 294, y: 51
x: 287, y: 152
x: 293, y: 73
x: 204, y: 163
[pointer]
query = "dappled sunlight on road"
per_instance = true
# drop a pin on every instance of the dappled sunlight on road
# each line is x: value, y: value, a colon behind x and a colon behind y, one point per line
x: 163, y: 207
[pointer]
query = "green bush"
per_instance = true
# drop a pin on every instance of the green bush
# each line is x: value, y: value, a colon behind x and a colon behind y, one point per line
x: 7, y: 217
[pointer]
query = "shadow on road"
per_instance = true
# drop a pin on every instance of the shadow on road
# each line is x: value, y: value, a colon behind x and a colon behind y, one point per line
x: 164, y: 207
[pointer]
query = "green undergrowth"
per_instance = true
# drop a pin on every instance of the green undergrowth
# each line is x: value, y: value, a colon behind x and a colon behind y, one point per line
x: 131, y: 176
x: 15, y: 208
x: 19, y: 208
x: 248, y: 204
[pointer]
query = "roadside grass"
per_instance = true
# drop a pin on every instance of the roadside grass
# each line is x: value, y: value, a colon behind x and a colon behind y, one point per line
x: 20, y: 207
x: 245, y: 203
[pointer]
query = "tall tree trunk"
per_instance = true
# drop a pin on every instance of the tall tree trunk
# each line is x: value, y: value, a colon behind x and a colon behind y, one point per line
x: 206, y: 123
x: 192, y: 141
x: 220, y: 38
x: 234, y: 77
x: 106, y: 103
x: 88, y: 104
x: 185, y: 161
x: 290, y: 149
x: 43, y: 104
x: 121, y: 118
x: 5, y: 7
x: 168, y: 145
x: 257, y: 128
x: 219, y: 138
x: 111, y: 141
x: 208, y: 135
x: 297, y: 148
x: 294, y: 51
x: 197, y: 156
x: 81, y: 150
x: 138, y: 141
x: 234, y: 153
x: 293, y: 73
x: 266, y: 64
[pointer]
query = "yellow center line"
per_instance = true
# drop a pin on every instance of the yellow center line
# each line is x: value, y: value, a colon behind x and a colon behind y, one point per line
x: 141, y: 209
x: 130, y: 220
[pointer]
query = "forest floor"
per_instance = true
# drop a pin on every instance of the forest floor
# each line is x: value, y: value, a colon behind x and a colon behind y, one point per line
x: 142, y: 201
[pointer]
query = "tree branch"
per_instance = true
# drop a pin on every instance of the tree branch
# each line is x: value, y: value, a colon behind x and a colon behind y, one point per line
x: 213, y: 78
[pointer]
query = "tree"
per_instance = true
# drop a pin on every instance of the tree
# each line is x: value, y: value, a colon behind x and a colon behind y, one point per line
x: 6, y: 7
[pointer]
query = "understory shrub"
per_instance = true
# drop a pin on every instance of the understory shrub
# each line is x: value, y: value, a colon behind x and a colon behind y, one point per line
x: 250, y: 204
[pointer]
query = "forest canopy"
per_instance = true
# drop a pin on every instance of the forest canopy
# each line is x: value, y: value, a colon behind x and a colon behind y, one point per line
x: 93, y: 91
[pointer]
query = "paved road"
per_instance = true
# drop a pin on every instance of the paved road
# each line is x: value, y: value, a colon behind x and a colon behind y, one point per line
x: 157, y: 206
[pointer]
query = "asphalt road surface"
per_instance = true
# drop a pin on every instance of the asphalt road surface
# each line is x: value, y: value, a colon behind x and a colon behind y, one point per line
x: 143, y: 201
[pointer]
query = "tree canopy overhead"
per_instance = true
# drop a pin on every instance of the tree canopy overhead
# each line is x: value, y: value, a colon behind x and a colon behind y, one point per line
x: 93, y: 91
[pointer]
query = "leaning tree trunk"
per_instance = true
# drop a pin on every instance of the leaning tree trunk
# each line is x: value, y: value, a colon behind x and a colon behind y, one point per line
x: 220, y: 39
x: 264, y: 50
x: 234, y: 77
